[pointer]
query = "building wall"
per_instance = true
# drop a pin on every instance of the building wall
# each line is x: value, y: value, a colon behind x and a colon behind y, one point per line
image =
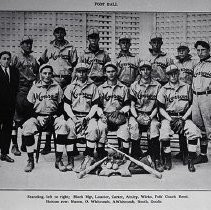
x: 174, y: 27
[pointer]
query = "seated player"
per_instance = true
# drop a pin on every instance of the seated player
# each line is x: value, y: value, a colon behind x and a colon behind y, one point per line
x: 175, y: 99
x: 144, y: 114
x: 45, y: 98
x: 81, y: 103
x: 114, y: 104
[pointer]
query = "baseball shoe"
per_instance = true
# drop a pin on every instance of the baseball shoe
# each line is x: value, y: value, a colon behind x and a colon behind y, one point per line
x: 167, y: 162
x: 15, y: 150
x: 30, y: 165
x: 70, y: 164
x: 158, y: 166
x: 200, y: 159
x: 191, y: 167
x: 60, y: 165
x: 7, y: 158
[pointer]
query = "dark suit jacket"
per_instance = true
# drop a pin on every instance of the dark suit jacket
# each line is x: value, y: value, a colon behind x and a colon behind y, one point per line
x: 8, y: 92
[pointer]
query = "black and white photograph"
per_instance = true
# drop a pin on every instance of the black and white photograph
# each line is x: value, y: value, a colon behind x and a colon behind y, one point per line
x: 105, y: 106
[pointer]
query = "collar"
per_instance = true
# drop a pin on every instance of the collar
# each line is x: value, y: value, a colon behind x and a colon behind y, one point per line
x: 169, y: 86
x: 105, y: 84
x: 40, y: 84
x: 88, y: 82
x: 123, y: 54
x: 66, y: 44
x: 160, y: 54
x: 152, y: 83
x: 187, y: 58
x: 24, y: 54
x: 88, y: 50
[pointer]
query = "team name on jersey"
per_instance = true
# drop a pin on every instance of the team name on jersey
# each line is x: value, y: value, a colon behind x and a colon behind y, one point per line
x: 127, y: 65
x: 203, y: 74
x: 188, y: 71
x: 180, y: 97
x: 115, y: 97
x: 148, y: 96
x: 94, y: 60
x: 85, y: 95
x: 162, y: 65
x: 54, y: 56
x: 40, y: 97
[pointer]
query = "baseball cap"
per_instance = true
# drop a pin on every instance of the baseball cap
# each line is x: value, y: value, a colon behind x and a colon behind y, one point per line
x: 82, y: 66
x: 26, y: 38
x: 155, y: 36
x: 171, y: 68
x: 125, y: 37
x: 93, y: 32
x: 203, y: 42
x: 145, y: 63
x: 44, y: 66
x: 183, y: 45
x: 110, y: 64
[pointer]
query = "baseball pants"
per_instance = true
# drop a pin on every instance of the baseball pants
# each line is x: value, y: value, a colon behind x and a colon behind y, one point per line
x: 201, y: 113
x: 135, y: 130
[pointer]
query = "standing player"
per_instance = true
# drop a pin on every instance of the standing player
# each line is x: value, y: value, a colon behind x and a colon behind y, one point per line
x: 28, y: 69
x: 143, y: 102
x: 126, y: 62
x: 114, y: 97
x: 185, y: 63
x: 45, y: 97
x: 81, y: 103
x: 95, y: 57
x: 175, y: 99
x: 159, y: 59
x: 62, y: 56
x: 201, y: 114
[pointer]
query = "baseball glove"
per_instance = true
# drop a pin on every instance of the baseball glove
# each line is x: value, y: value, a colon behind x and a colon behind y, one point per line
x: 116, y: 118
x: 49, y: 121
x: 177, y: 125
x: 143, y: 119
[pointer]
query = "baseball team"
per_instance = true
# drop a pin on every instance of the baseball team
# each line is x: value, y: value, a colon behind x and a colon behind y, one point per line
x: 84, y: 97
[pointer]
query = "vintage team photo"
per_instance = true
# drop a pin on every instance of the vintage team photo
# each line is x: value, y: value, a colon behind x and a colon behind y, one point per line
x: 105, y: 100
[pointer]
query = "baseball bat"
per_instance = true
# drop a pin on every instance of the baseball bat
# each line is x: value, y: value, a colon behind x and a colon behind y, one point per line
x: 139, y: 163
x: 92, y: 167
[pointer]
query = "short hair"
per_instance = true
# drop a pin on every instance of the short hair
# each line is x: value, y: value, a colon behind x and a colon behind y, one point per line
x: 203, y: 44
x: 5, y: 52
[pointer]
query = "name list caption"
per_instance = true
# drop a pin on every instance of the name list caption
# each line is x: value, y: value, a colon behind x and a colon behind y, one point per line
x: 103, y: 198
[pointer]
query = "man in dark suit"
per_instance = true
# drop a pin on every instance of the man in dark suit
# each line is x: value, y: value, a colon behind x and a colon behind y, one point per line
x: 8, y: 90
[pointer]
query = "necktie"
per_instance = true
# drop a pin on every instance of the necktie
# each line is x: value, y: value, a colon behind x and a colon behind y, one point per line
x: 6, y: 75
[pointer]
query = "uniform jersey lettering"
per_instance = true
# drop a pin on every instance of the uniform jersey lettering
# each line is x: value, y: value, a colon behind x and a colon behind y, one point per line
x: 180, y: 97
x: 188, y: 71
x: 85, y: 95
x: 40, y: 97
x: 203, y: 74
x: 115, y: 97
x: 148, y: 96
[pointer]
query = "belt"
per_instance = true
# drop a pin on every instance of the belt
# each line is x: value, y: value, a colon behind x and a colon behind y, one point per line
x: 202, y: 93
x: 174, y: 114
